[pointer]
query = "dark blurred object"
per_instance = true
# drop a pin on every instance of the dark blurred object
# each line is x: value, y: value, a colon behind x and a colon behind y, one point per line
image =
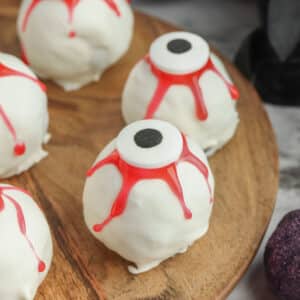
x: 270, y: 56
x: 282, y: 258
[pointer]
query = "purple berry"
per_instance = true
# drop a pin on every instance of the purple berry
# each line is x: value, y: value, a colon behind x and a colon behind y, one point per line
x: 282, y: 258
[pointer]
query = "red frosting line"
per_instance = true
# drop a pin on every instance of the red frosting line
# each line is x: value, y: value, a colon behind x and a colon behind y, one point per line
x: 5, y: 71
x: 191, y: 80
x: 70, y: 5
x: 28, y: 13
x: 24, y: 55
x: 113, y: 6
x: 20, y: 147
x: 132, y: 175
x: 21, y: 221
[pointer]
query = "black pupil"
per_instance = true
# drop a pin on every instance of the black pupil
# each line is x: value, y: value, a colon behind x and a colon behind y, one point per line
x: 179, y: 46
x: 148, y: 138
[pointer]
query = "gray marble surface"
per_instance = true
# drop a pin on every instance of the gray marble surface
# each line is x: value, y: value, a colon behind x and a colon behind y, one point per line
x: 225, y: 24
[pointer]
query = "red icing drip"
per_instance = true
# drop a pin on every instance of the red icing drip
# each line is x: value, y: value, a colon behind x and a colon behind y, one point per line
x: 189, y: 157
x: 166, y: 80
x: 28, y: 13
x: 19, y: 148
x: 71, y: 5
x: 24, y: 55
x: 6, y: 71
x: 72, y: 34
x: 21, y: 221
x: 132, y: 175
x: 112, y: 4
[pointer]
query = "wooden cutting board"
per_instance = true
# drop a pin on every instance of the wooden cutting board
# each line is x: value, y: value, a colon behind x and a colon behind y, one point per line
x: 82, y: 123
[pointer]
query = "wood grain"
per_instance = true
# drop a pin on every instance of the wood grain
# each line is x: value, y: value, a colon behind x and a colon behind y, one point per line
x: 82, y: 123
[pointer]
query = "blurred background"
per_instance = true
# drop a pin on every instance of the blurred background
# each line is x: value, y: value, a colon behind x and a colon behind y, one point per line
x: 224, y: 24
x: 262, y: 37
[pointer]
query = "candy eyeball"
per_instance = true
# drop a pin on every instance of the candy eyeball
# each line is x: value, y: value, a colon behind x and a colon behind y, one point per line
x: 179, y: 52
x: 149, y: 144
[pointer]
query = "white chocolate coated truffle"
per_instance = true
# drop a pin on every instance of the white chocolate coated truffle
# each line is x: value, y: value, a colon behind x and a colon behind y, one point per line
x: 23, y: 117
x: 182, y: 82
x: 74, y: 42
x: 26, y: 245
x: 140, y: 198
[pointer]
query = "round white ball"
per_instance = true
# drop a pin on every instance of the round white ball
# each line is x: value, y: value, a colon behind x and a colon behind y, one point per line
x: 178, y: 104
x: 102, y: 38
x: 19, y: 275
x: 25, y: 104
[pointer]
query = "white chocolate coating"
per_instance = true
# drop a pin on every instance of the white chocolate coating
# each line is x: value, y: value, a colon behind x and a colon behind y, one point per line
x: 152, y: 227
x: 102, y: 38
x: 25, y: 104
x: 19, y: 275
x: 178, y: 104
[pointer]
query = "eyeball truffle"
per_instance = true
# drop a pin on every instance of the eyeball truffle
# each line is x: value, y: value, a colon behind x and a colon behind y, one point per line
x: 282, y: 258
x: 73, y: 42
x: 23, y: 117
x: 182, y: 82
x: 26, y: 245
x: 140, y: 198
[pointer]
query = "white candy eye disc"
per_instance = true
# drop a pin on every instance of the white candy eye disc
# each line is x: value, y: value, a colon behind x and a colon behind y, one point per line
x: 150, y: 144
x: 179, y: 52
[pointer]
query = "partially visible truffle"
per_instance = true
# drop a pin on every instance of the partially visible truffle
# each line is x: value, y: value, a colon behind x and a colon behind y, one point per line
x: 85, y: 39
x: 282, y: 258
x: 24, y: 117
x: 26, y: 246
